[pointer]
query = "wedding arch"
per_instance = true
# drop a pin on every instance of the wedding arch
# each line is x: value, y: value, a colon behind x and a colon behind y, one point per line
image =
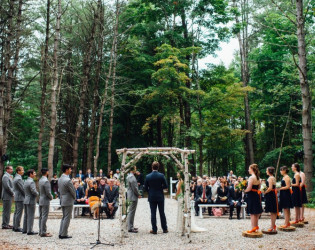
x: 130, y: 156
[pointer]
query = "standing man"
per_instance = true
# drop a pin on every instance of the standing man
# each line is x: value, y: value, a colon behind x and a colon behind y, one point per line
x: 44, y: 202
x: 7, y: 197
x: 132, y: 196
x: 19, y: 195
x: 29, y: 203
x: 67, y: 197
x: 154, y: 185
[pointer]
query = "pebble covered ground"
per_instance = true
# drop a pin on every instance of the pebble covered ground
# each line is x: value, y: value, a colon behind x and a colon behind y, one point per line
x: 222, y: 234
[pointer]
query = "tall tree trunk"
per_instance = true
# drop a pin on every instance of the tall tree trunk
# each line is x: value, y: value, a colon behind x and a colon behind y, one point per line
x: 53, y: 98
x: 83, y: 91
x: 112, y: 100
x: 44, y: 80
x: 306, y: 98
x: 96, y: 86
x: 242, y: 37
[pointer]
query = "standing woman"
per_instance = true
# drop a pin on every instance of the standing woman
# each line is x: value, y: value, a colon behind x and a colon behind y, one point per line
x: 254, y: 207
x: 285, y: 195
x: 296, y: 193
x: 271, y: 198
x: 303, y: 193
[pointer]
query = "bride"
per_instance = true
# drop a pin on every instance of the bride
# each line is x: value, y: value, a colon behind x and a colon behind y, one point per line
x: 179, y: 196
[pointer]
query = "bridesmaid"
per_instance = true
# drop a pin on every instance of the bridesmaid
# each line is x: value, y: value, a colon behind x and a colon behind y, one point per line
x: 285, y: 195
x: 304, y: 196
x: 296, y: 194
x: 271, y: 199
x: 254, y: 207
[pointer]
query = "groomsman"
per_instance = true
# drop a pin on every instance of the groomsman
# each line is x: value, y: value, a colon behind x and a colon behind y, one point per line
x: 44, y: 202
x: 19, y: 195
x: 7, y: 197
x: 67, y: 197
x: 29, y: 203
x: 132, y: 196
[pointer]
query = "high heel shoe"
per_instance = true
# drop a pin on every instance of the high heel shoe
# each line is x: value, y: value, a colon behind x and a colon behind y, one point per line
x: 274, y: 229
x: 253, y: 230
x: 285, y: 226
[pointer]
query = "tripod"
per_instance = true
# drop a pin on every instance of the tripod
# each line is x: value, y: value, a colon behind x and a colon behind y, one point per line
x: 98, y: 242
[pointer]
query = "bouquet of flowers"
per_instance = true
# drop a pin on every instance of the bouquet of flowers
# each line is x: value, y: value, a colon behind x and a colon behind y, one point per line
x: 278, y: 184
x: 242, y: 185
x: 263, y: 187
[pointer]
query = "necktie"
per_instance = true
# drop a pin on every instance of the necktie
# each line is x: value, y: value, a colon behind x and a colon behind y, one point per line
x: 204, y: 193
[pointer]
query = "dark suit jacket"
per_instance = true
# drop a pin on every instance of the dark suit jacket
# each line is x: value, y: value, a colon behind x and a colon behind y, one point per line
x: 89, y: 176
x: 80, y: 194
x: 199, y: 192
x: 221, y: 194
x: 234, y: 195
x: 111, y: 196
x: 154, y: 185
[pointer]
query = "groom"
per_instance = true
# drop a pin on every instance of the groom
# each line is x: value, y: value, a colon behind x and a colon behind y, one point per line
x: 154, y: 185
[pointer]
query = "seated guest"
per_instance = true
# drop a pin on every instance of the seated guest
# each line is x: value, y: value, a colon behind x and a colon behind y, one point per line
x: 140, y: 181
x: 89, y: 174
x: 94, y: 195
x: 102, y: 186
x: 110, y: 200
x: 235, y: 200
x: 203, y: 196
x: 214, y: 189
x: 110, y: 175
x: 88, y: 186
x: 222, y: 194
x: 79, y: 199
x: 117, y: 174
x: 101, y: 174
x: 80, y: 175
x: 54, y: 186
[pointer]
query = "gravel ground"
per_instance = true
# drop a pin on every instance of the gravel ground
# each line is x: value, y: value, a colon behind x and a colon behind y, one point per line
x: 222, y: 234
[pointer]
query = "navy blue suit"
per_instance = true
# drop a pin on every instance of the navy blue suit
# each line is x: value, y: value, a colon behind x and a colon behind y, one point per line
x: 154, y: 185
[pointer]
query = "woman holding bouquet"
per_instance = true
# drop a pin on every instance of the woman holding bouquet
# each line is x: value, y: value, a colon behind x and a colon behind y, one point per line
x: 285, y: 195
x: 296, y: 192
x: 271, y: 199
x: 254, y: 207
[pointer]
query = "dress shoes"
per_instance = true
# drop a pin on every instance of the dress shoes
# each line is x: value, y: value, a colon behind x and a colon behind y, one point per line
x: 46, y: 235
x: 153, y: 232
x: 133, y: 231
x: 65, y: 237
x: 7, y: 227
x: 32, y: 233
x: 165, y: 231
x: 135, y: 228
x: 19, y: 230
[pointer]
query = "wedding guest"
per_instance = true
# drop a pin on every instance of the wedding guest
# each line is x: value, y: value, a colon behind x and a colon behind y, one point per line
x: 89, y: 174
x: 296, y: 193
x: 54, y: 186
x: 254, y: 207
x: 101, y: 174
x: 110, y: 199
x: 271, y: 198
x: 222, y: 194
x: 117, y: 174
x: 89, y: 186
x: 304, y: 196
x: 29, y: 203
x: 235, y: 200
x: 102, y: 185
x: 110, y: 174
x: 19, y: 195
x: 80, y: 175
x: 203, y: 196
x: 140, y: 181
x: 7, y: 197
x: 94, y: 196
x: 79, y: 196
x: 214, y: 189
x: 67, y: 197
x: 285, y: 195
x: 44, y: 202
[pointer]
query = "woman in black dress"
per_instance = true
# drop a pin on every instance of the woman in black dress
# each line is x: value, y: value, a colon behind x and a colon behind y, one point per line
x: 296, y: 192
x: 285, y: 195
x: 271, y: 198
x: 254, y: 207
x: 222, y: 194
x: 304, y: 196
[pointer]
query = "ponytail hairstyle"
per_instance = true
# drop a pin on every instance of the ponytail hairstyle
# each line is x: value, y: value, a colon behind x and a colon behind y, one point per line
x: 271, y: 170
x: 297, y: 166
x: 255, y: 169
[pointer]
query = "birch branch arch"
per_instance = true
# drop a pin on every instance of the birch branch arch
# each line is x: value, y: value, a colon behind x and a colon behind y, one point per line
x: 134, y: 155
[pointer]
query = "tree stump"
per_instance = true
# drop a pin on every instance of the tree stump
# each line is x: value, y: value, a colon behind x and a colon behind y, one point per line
x: 252, y: 235
x: 269, y: 232
x: 286, y: 229
x: 304, y: 222
x: 300, y: 224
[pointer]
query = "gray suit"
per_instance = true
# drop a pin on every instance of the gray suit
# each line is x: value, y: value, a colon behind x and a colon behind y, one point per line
x: 29, y: 205
x: 7, y: 197
x: 132, y: 195
x: 44, y: 200
x: 19, y: 195
x: 67, y: 197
